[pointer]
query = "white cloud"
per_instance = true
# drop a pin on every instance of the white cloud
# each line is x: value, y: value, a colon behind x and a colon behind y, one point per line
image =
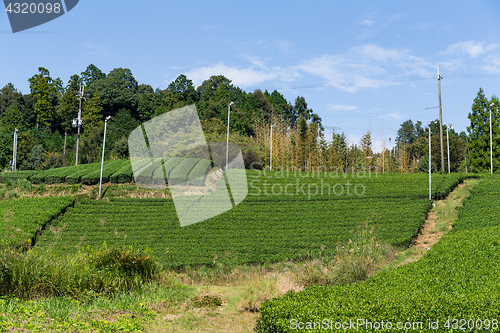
x: 493, y: 64
x: 472, y: 48
x: 368, y: 23
x: 371, y: 26
x: 395, y: 115
x: 364, y: 66
x: 341, y: 107
x: 285, y: 47
x: 242, y: 77
x: 100, y: 50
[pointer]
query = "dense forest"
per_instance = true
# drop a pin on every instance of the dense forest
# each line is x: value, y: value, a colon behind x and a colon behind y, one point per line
x: 46, y: 135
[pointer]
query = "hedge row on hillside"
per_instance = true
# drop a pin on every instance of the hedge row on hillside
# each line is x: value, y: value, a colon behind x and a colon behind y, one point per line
x: 146, y: 172
x: 454, y: 287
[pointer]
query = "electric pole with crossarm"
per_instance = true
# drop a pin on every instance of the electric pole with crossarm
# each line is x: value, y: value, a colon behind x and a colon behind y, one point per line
x: 79, y: 121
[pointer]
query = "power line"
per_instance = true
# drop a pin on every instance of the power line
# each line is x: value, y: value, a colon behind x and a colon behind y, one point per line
x: 393, y: 79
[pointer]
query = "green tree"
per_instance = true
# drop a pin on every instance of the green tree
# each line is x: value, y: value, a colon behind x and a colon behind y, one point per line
x: 303, y: 144
x: 263, y: 106
x: 90, y: 76
x: 118, y: 130
x: 118, y: 90
x: 300, y: 108
x: 479, y: 133
x: 338, y: 151
x: 42, y: 90
x: 184, y: 88
x: 69, y: 103
x: 11, y: 119
x: 91, y: 113
x: 365, y: 145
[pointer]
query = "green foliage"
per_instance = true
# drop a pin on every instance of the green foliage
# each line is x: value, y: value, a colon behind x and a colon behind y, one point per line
x: 125, y: 262
x: 179, y: 174
x: 91, y: 75
x: 42, y: 89
x: 22, y: 218
x: 12, y: 118
x: 456, y: 279
x: 123, y: 175
x: 265, y: 227
x: 211, y: 301
x: 34, y: 159
x: 185, y: 89
x: 197, y: 175
x: 81, y: 170
x: 87, y: 274
x: 91, y: 113
x: 109, y: 169
x: 69, y: 103
x: 300, y: 108
x: 117, y: 90
x: 479, y: 133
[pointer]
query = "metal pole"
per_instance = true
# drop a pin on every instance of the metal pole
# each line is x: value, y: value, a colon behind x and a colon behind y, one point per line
x: 440, y: 122
x: 14, y: 151
x: 271, y: 155
x: 448, y: 145
x: 227, y: 144
x: 491, y: 143
x: 102, y: 159
x: 64, y: 150
x: 430, y: 178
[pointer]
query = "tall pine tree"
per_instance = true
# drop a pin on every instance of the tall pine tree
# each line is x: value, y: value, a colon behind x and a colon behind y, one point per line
x: 479, y: 133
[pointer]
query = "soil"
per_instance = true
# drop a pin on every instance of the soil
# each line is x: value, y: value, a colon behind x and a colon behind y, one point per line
x: 429, y: 235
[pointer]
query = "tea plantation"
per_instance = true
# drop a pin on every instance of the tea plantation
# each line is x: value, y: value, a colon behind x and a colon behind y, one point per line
x: 283, y: 217
x: 453, y: 288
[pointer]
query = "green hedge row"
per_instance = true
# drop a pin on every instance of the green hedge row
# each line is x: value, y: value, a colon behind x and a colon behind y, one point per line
x: 168, y: 166
x: 454, y: 287
x: 178, y: 176
x: 22, y: 218
x: 109, y: 168
x: 13, y: 176
x: 197, y: 175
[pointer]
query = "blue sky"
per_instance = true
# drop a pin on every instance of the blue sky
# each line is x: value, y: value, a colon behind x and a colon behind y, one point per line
x: 361, y: 65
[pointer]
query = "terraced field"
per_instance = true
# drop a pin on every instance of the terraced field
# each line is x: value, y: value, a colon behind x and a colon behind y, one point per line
x: 20, y: 219
x: 121, y: 171
x: 453, y: 288
x: 266, y: 226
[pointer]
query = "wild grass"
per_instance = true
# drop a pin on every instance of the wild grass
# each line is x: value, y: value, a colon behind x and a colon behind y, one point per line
x: 35, y: 273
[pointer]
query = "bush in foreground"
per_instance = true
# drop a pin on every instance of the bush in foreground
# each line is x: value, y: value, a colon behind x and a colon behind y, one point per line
x: 37, y: 273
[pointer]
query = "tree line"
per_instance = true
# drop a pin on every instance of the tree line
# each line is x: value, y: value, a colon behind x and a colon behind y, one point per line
x: 46, y: 136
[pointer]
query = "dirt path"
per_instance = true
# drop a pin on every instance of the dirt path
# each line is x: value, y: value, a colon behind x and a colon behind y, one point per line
x: 439, y: 221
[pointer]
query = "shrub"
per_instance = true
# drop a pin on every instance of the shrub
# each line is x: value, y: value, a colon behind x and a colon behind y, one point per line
x: 35, y: 273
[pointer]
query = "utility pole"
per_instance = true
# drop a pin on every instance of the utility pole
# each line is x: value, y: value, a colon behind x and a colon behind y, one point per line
x: 14, y: 153
x: 430, y: 177
x: 440, y: 122
x: 79, y: 121
x: 448, y: 144
x: 102, y: 159
x: 227, y: 144
x: 64, y: 150
x: 491, y: 143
